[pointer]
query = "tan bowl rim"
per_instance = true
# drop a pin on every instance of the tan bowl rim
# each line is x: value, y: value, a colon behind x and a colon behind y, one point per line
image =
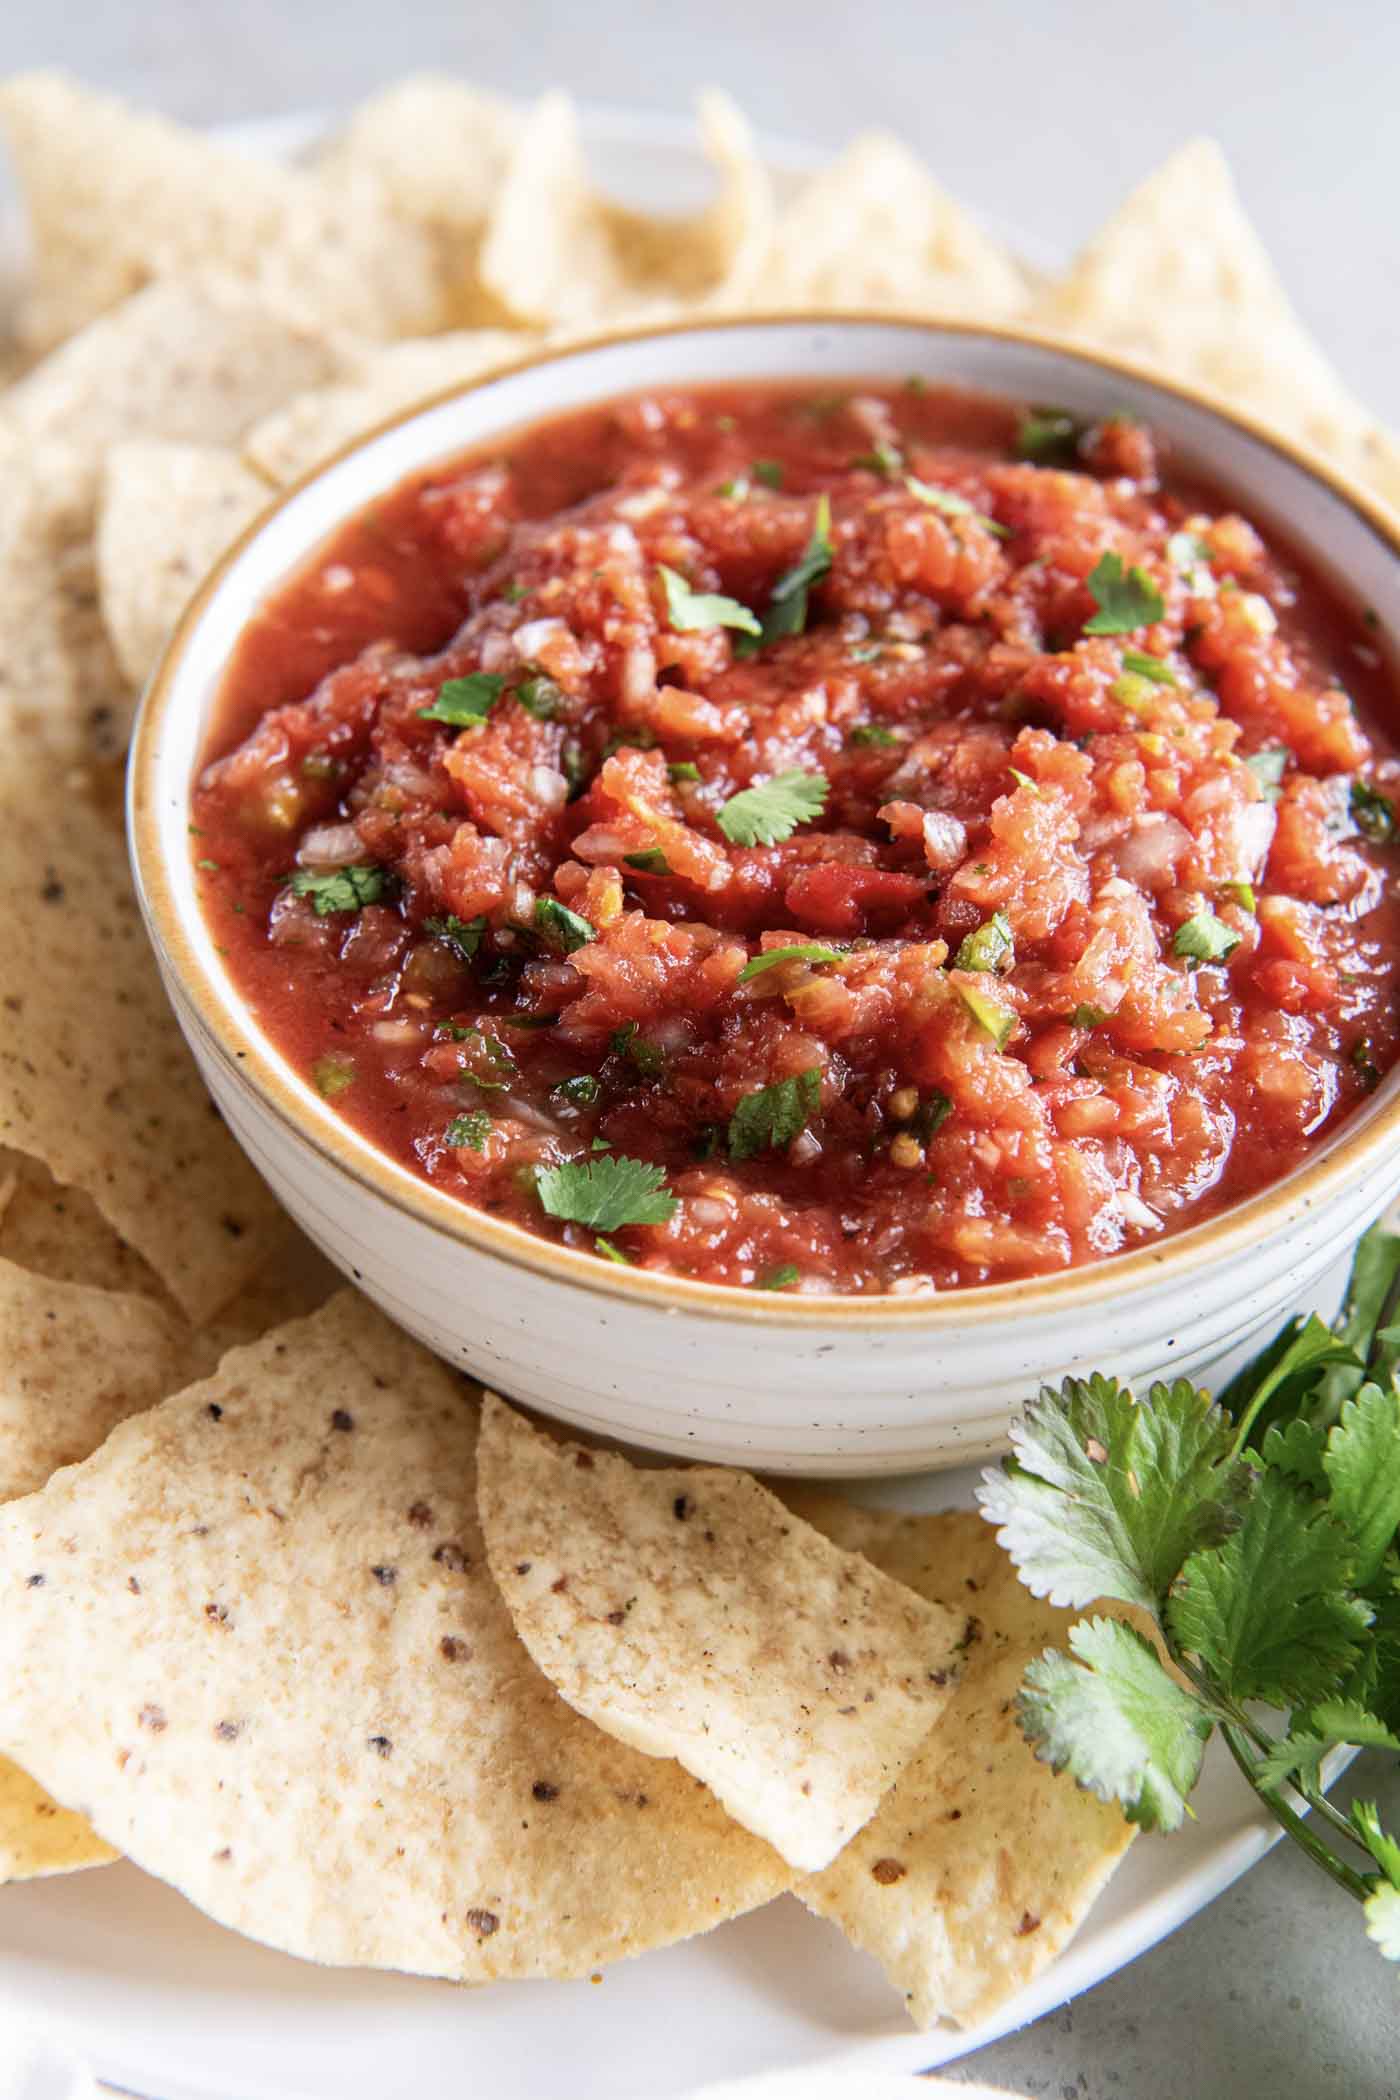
x: 248, y: 1054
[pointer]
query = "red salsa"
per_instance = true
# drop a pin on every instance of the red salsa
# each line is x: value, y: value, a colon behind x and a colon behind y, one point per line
x: 870, y: 841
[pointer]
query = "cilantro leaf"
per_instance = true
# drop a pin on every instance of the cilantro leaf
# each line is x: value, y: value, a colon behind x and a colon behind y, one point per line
x: 1281, y: 1375
x: 872, y: 735
x: 688, y: 610
x: 1372, y: 1289
x: 953, y: 505
x: 1372, y: 813
x: 775, y: 1114
x: 470, y: 1130
x: 341, y: 889
x: 462, y: 701
x: 1049, y: 436
x: 797, y: 951
x: 1117, y: 1722
x: 540, y: 695
x: 1267, y: 1611
x: 769, y: 472
x: 1204, y: 938
x: 1362, y: 1462
x: 1086, y: 1016
x: 1125, y: 600
x: 1383, y: 1849
x: 991, y: 947
x: 781, y: 1278
x: 1105, y: 1495
x: 1296, y: 1448
x: 787, y: 601
x: 462, y: 934
x: 769, y: 813
x: 561, y: 927
x: 580, y: 1090
x: 1327, y: 1727
x: 604, y: 1246
x: 606, y: 1192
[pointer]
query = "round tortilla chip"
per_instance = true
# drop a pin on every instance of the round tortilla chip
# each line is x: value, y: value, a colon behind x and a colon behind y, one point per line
x: 688, y: 1613
x: 981, y: 1863
x: 268, y: 1659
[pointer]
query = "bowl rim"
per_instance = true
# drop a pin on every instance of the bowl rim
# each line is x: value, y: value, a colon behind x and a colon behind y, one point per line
x: 249, y: 1056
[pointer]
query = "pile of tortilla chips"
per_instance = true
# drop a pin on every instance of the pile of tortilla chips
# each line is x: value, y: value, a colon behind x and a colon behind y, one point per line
x: 369, y: 1667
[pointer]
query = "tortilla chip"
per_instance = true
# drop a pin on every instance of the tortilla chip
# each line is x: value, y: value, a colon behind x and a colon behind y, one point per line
x: 60, y: 1232
x: 437, y: 149
x: 689, y: 1614
x: 269, y: 1660
x: 981, y: 1863
x: 117, y: 198
x: 95, y: 1079
x: 62, y: 693
x: 295, y: 438
x: 558, y: 254
x: 875, y: 229
x: 197, y: 358
x: 37, y: 1837
x: 74, y: 1362
x: 294, y: 1280
x: 1179, y: 275
x: 167, y: 513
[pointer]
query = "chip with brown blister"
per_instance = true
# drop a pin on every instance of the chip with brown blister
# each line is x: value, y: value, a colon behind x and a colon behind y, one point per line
x: 981, y: 1863
x: 268, y: 1658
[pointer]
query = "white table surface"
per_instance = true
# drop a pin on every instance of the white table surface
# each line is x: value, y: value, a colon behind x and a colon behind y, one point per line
x: 1040, y: 112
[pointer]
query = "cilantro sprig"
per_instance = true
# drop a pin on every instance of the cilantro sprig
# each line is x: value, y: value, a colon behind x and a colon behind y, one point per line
x: 787, y: 602
x: 1259, y: 1532
x: 690, y: 610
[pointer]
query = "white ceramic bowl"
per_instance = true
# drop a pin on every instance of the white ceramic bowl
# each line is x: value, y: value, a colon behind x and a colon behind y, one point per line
x: 823, y: 1385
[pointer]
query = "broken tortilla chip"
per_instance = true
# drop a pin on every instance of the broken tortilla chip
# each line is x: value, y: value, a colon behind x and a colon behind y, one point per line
x: 308, y: 429
x: 166, y: 514
x: 688, y: 1613
x: 117, y: 198
x: 875, y: 229
x: 557, y: 254
x: 981, y: 1863
x: 37, y: 1837
x: 95, y: 1079
x: 268, y: 1659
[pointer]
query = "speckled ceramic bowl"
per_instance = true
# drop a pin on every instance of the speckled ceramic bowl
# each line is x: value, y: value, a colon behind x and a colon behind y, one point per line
x: 822, y: 1385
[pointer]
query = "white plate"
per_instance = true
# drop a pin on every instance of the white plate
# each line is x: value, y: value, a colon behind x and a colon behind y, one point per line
x: 162, y: 2002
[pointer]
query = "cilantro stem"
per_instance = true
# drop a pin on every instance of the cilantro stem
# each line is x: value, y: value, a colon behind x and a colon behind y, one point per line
x: 1267, y: 1386
x: 1321, y: 1854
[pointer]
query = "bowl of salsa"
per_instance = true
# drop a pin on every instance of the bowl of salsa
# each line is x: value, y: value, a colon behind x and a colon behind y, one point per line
x: 770, y: 885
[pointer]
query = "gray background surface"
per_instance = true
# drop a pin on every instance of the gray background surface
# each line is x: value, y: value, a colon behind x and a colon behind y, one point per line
x: 1040, y: 114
